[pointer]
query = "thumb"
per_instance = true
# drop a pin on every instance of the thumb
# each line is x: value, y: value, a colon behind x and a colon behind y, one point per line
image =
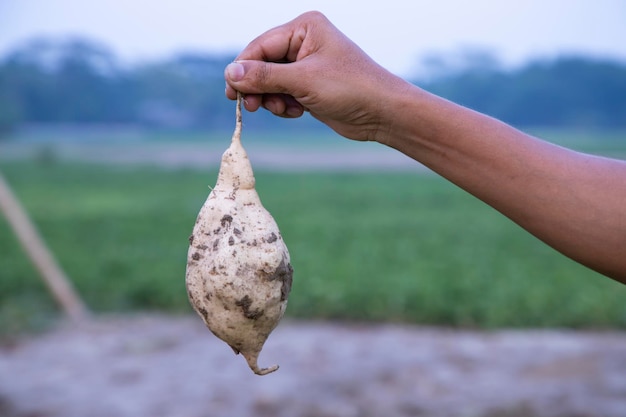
x: 260, y: 77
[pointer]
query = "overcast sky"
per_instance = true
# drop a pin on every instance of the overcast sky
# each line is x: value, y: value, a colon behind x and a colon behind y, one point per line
x: 394, y: 32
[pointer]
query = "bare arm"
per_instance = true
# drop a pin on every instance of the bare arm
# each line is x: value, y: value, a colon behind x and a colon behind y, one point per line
x: 574, y: 202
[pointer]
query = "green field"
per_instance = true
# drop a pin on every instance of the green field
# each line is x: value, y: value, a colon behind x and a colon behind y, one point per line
x: 401, y: 247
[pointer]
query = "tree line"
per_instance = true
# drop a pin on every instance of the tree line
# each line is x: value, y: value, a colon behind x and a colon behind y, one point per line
x: 80, y: 81
x: 567, y: 91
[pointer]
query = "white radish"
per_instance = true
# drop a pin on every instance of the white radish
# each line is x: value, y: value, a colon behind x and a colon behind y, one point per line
x: 238, y: 267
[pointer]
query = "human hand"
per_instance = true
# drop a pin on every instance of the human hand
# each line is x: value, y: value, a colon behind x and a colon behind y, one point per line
x: 309, y: 65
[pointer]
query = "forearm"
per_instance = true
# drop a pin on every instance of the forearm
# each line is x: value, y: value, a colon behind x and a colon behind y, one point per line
x: 574, y: 202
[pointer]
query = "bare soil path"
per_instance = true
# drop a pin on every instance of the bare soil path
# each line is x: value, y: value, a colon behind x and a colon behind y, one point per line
x: 157, y: 366
x: 348, y: 156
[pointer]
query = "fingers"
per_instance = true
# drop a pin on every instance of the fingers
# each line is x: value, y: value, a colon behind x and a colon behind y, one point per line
x: 283, y: 105
x: 266, y: 70
x: 284, y: 43
x: 258, y: 77
x: 265, y: 84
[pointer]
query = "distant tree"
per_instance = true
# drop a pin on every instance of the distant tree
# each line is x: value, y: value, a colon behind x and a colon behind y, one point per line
x: 10, y: 106
x: 185, y: 91
x: 71, y: 80
x: 567, y: 91
x: 435, y: 66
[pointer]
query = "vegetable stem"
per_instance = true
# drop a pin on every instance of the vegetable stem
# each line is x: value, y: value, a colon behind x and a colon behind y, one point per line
x: 238, y: 123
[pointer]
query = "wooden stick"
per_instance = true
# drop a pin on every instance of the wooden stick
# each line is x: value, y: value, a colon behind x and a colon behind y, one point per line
x: 40, y: 255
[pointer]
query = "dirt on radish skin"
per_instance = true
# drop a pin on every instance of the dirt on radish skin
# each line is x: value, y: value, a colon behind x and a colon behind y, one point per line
x: 238, y: 267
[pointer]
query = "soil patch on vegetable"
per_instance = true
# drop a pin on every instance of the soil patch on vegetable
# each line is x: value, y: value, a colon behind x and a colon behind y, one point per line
x: 154, y: 365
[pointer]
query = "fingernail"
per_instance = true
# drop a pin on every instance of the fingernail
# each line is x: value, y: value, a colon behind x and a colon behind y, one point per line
x: 293, y: 111
x: 235, y: 71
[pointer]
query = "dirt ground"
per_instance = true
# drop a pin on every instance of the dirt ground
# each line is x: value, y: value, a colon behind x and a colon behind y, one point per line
x: 350, y: 157
x: 153, y: 366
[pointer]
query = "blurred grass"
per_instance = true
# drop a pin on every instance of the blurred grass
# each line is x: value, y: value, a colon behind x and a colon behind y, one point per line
x: 402, y: 247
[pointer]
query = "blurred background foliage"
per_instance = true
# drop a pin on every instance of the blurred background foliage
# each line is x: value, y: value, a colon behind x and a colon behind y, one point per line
x: 81, y: 81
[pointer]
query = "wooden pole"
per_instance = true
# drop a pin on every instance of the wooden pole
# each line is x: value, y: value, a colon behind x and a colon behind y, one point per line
x: 40, y: 255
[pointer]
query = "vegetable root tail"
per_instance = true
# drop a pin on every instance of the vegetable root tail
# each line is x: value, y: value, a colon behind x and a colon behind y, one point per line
x: 238, y: 122
x: 252, y: 360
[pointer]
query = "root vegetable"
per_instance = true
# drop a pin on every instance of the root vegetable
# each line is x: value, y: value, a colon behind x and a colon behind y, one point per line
x: 238, y: 266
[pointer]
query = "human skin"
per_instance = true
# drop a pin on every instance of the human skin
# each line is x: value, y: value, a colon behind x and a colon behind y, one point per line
x: 572, y: 201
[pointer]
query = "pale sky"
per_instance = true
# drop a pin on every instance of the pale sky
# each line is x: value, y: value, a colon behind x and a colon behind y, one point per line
x: 394, y: 32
